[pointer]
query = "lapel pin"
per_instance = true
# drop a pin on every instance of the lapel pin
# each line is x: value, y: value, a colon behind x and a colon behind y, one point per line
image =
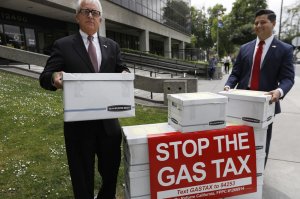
x: 105, y: 46
x: 273, y: 46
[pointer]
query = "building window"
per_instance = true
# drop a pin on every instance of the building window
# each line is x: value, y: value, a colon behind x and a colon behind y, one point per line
x: 156, y: 47
x: 175, y: 14
x: 30, y: 39
x: 13, y: 36
x: 124, y: 40
x: 1, y: 35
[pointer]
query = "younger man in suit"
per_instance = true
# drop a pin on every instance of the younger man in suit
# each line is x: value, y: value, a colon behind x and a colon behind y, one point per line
x: 85, y: 139
x: 275, y: 72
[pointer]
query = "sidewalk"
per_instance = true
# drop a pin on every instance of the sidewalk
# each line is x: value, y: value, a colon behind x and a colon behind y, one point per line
x: 282, y: 174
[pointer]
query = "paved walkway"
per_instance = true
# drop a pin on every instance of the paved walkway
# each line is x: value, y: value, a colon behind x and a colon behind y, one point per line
x: 282, y: 174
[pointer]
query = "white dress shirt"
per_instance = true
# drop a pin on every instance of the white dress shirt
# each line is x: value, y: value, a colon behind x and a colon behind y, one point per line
x: 266, y: 47
x: 96, y: 44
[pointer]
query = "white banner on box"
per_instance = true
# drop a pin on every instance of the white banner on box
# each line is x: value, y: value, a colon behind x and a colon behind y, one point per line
x: 223, y: 186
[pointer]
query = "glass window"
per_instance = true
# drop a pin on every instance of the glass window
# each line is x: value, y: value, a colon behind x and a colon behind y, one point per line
x: 144, y: 5
x: 30, y: 39
x: 1, y: 35
x: 132, y: 5
x: 13, y: 35
x: 139, y: 7
x: 172, y: 13
x: 125, y: 3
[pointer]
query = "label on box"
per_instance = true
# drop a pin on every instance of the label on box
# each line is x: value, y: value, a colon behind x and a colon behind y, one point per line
x: 208, y: 164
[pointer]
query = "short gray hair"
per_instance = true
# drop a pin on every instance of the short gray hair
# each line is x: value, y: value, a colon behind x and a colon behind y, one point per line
x: 96, y: 2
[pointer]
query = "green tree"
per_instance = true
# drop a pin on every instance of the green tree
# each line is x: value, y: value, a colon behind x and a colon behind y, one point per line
x: 201, y: 37
x: 291, y: 24
x: 226, y: 46
x: 216, y: 23
x: 242, y: 18
x: 237, y: 26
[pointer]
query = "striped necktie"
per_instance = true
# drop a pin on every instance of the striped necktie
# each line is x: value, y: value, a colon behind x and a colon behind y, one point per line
x: 92, y: 53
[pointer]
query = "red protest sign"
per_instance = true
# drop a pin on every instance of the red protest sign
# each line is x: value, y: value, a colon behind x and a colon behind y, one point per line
x: 208, y: 164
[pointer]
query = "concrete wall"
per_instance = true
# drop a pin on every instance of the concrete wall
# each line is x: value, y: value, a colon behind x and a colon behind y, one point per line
x: 23, y: 56
x: 156, y: 85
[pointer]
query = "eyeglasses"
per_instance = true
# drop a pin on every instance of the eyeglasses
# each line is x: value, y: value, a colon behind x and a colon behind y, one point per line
x: 86, y: 12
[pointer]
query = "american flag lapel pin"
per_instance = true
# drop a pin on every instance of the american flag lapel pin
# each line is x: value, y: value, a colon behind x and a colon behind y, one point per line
x: 274, y: 46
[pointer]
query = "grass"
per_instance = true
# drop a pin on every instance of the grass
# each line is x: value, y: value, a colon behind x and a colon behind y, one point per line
x: 32, y: 153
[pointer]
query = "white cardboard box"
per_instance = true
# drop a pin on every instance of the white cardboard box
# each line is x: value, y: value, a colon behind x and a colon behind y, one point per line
x: 138, y: 183
x: 190, y: 112
x: 249, y: 107
x: 260, y: 163
x: 255, y: 195
x: 127, y: 195
x: 92, y: 96
x: 136, y: 167
x: 136, y: 141
x: 260, y: 137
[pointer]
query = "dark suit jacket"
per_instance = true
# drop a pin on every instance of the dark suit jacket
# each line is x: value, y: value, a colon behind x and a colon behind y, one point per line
x: 277, y: 70
x: 70, y: 55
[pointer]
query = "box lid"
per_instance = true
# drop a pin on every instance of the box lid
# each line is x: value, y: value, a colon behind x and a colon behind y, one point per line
x: 197, y: 98
x: 248, y: 95
x: 97, y: 76
x: 138, y: 134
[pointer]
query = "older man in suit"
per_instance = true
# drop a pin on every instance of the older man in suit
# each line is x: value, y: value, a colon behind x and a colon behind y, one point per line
x: 275, y: 72
x: 87, y: 52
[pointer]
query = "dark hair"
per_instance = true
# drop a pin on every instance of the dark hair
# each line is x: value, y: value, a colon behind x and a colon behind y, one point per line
x: 271, y: 15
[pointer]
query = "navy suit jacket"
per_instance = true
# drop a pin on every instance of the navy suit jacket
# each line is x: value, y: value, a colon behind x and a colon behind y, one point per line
x: 277, y: 70
x: 70, y: 55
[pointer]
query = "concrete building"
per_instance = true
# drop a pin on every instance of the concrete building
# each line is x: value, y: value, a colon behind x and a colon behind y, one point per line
x: 157, y: 26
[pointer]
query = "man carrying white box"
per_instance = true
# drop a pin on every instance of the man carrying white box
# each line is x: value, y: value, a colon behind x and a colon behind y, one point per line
x: 87, y: 52
x: 264, y: 64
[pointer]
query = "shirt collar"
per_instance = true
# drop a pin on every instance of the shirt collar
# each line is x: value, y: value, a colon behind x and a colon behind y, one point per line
x: 85, y: 36
x: 268, y: 41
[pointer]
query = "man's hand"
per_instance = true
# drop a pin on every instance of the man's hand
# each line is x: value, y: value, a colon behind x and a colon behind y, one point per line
x: 226, y: 88
x: 57, y: 79
x: 275, y: 95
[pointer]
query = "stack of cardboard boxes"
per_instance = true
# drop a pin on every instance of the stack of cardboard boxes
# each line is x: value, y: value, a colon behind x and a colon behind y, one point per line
x: 188, y: 112
x: 185, y: 114
x: 252, y: 108
x: 135, y: 147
